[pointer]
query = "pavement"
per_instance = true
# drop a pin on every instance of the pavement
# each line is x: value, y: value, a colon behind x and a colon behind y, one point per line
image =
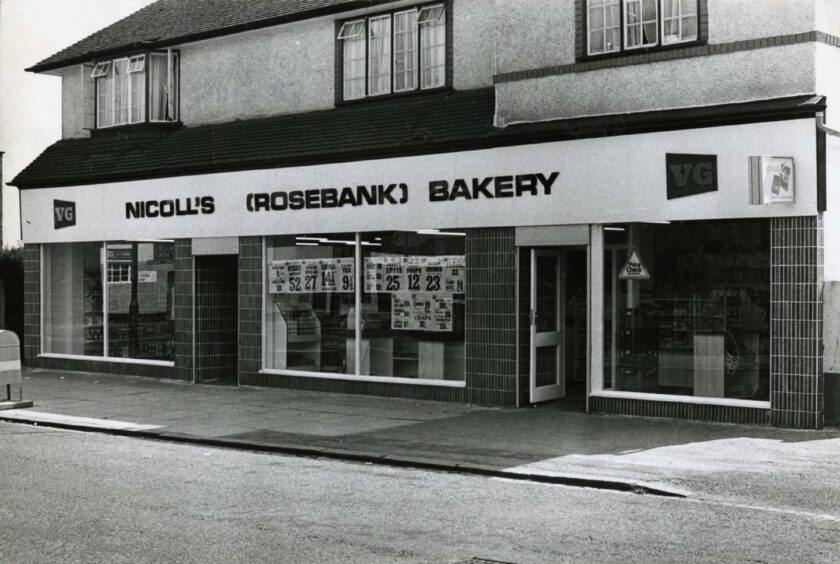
x: 791, y: 470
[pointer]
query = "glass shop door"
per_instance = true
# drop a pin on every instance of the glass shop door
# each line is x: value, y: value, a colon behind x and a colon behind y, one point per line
x: 548, y: 327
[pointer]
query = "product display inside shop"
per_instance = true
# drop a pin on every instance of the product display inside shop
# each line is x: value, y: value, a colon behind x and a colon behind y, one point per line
x: 699, y: 325
x: 406, y: 287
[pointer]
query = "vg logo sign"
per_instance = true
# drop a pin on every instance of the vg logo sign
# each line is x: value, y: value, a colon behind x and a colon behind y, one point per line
x: 688, y: 175
x: 64, y: 213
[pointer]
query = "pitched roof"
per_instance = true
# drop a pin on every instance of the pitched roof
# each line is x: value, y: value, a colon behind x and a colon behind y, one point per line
x: 172, y: 22
x: 412, y: 125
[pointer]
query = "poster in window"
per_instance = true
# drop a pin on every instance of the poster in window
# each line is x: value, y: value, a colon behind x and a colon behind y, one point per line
x: 311, y: 276
x: 421, y: 312
x: 414, y: 273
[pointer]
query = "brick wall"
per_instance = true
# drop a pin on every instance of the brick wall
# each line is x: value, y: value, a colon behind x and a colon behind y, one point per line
x: 796, y: 319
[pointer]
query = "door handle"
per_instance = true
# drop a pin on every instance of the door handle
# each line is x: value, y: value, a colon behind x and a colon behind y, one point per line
x: 532, y: 315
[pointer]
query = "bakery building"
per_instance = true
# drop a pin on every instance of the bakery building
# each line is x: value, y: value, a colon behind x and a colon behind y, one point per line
x: 629, y: 207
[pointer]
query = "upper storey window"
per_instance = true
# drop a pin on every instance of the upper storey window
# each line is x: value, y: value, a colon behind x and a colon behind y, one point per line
x: 613, y: 26
x: 396, y: 52
x: 136, y: 89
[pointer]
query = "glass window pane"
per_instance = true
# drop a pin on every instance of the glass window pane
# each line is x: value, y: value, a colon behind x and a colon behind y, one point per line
x: 433, y: 53
x: 405, y: 51
x: 379, y: 55
x: 163, y: 87
x: 310, y: 297
x: 413, y: 304
x: 105, y: 101
x: 689, y: 28
x: 140, y: 292
x: 700, y: 325
x: 354, y: 67
x: 72, y: 299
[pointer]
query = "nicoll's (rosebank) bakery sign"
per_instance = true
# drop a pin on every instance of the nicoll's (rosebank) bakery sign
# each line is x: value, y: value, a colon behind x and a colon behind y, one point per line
x: 492, y: 187
x: 585, y: 181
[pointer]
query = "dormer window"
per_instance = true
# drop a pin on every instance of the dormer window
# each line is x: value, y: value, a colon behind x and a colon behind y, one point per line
x: 394, y: 52
x: 137, y: 89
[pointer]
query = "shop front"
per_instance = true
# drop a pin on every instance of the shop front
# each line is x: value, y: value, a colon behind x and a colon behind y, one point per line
x: 657, y: 273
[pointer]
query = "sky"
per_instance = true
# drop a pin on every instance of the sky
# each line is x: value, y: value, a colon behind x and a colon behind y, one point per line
x: 30, y: 104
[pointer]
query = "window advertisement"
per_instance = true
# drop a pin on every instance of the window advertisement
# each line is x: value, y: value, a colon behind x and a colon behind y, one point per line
x: 687, y: 308
x: 140, y: 282
x: 412, y: 311
x: 73, y: 304
x: 310, y: 292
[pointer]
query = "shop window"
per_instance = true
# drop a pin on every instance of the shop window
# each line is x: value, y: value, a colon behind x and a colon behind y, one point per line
x: 700, y: 325
x: 136, y: 89
x: 396, y: 52
x: 127, y: 313
x: 310, y: 293
x: 395, y: 299
x: 614, y: 26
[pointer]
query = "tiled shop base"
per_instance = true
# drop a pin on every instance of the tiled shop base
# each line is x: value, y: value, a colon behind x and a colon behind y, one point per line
x: 676, y: 410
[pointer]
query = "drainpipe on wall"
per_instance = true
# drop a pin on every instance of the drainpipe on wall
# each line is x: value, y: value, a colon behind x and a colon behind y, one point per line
x: 820, y: 117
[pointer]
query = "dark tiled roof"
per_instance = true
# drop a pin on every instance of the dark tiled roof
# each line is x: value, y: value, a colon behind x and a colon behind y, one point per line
x: 412, y: 125
x: 399, y: 126
x: 172, y: 22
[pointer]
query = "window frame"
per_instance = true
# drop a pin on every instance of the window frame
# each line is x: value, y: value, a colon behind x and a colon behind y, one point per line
x: 136, y: 63
x: 342, y: 33
x: 584, y: 54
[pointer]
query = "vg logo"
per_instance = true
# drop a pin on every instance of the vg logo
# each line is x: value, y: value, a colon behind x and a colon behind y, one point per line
x: 690, y: 174
x: 64, y: 213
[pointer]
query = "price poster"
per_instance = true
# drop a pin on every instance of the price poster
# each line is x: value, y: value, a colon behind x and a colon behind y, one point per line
x: 421, y: 312
x: 311, y: 276
x: 439, y: 274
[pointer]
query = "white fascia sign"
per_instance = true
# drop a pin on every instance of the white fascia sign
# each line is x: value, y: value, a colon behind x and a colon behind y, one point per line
x: 604, y: 180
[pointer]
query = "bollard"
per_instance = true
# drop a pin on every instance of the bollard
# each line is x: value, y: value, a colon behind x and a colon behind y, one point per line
x: 10, y: 369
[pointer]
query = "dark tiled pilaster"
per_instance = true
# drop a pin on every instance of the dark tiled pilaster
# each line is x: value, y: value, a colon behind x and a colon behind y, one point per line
x: 250, y: 310
x: 184, y: 290
x: 32, y: 304
x: 796, y: 337
x: 491, y: 317
x: 216, y: 318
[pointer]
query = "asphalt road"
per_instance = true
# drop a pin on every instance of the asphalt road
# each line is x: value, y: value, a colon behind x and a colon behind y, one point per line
x: 79, y: 497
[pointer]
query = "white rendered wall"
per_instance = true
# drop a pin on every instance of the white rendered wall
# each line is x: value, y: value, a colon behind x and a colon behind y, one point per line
x: 71, y: 103
x: 525, y: 42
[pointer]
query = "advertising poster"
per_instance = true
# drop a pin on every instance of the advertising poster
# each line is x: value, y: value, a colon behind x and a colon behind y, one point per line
x: 311, y: 276
x: 421, y: 312
x: 391, y: 274
x: 777, y: 179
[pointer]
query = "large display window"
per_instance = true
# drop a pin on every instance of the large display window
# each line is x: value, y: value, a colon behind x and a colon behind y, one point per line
x: 382, y: 305
x: 112, y: 300
x: 686, y: 309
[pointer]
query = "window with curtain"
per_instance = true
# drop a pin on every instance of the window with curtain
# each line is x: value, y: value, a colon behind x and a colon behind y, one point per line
x: 613, y: 26
x: 396, y: 52
x: 136, y: 89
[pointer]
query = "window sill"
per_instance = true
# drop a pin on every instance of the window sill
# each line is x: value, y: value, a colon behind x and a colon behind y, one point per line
x: 380, y: 379
x: 624, y: 53
x: 728, y: 402
x: 120, y: 360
